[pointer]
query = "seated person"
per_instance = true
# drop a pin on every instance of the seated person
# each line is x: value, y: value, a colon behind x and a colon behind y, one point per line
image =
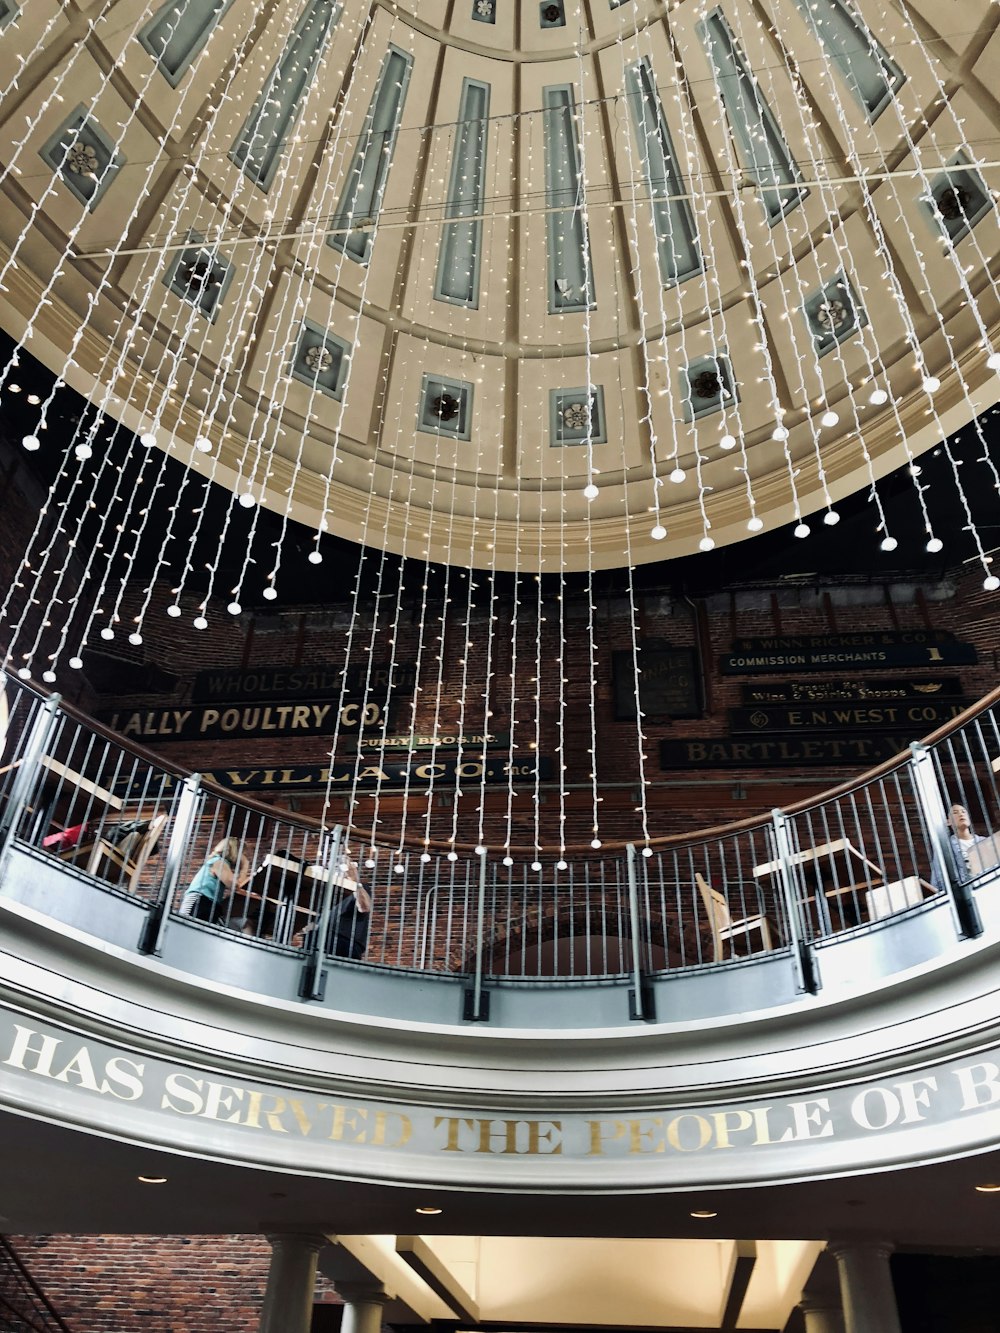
x: 962, y: 840
x: 350, y: 918
x: 226, y: 868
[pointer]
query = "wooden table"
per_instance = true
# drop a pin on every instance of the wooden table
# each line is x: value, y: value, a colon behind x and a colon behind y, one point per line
x: 270, y: 897
x: 59, y: 775
x: 840, y: 869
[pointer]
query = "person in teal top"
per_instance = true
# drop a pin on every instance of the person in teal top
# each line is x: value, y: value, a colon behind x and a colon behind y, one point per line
x: 225, y: 868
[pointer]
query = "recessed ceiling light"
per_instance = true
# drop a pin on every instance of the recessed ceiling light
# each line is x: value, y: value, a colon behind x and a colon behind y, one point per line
x: 704, y: 1212
x: 988, y: 1189
x: 152, y: 1180
x: 428, y: 1210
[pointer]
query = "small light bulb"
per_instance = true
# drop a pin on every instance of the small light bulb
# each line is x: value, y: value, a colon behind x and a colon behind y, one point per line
x: 508, y: 861
x: 147, y: 438
x: 83, y: 452
x: 801, y: 530
x: 536, y: 865
x: 658, y: 532
x: 24, y: 673
x: 877, y: 397
x: 75, y: 663
x: 678, y: 475
x: 931, y: 383
x: 754, y: 524
x: 49, y: 677
x: 727, y: 442
x: 425, y: 857
x: 107, y: 632
x: 31, y: 443
x: 888, y: 543
x: 595, y: 842
x: 829, y: 419
x: 453, y: 856
x: 934, y: 545
x: 779, y: 433
x: 831, y: 518
x: 234, y: 608
x: 200, y: 622
x: 706, y: 544
x: 315, y: 558
x: 647, y: 851
x: 993, y: 360
x: 203, y: 444
x: 991, y: 582
x: 247, y: 500
x: 270, y: 595
x: 480, y: 850
x: 562, y: 865
x: 135, y: 639
x: 173, y: 611
x: 591, y: 492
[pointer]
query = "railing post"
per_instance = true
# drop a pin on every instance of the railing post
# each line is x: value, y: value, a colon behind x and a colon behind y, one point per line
x: 151, y: 939
x: 313, y: 986
x: 477, y: 1001
x: 27, y: 773
x: 803, y: 957
x: 932, y: 810
x: 640, y: 1004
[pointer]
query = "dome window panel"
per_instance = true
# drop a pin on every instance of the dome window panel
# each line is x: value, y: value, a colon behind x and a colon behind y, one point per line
x: 833, y: 313
x: 760, y: 147
x: 576, y: 416
x: 322, y: 360
x: 176, y: 33
x: 552, y: 14
x: 676, y: 237
x: 257, y: 150
x: 484, y: 11
x: 569, y: 265
x: 857, y: 55
x: 958, y: 199
x: 200, y: 276
x: 707, y: 386
x: 461, y: 242
x: 84, y: 158
x: 445, y: 407
x: 366, y: 180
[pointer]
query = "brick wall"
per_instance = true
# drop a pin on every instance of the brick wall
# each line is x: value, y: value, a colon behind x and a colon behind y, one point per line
x: 159, y: 1284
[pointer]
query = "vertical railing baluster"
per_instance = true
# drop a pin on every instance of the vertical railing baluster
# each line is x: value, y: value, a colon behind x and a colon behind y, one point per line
x: 803, y: 959
x: 27, y: 774
x: 935, y: 819
x: 638, y: 999
x: 313, y: 982
x: 151, y: 939
x: 476, y: 1011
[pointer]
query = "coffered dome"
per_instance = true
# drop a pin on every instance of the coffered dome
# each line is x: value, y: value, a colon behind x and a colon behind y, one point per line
x: 535, y: 286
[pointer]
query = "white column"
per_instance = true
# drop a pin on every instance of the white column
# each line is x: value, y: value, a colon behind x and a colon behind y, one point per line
x: 291, y: 1283
x: 866, y: 1286
x: 822, y: 1314
x: 363, y: 1302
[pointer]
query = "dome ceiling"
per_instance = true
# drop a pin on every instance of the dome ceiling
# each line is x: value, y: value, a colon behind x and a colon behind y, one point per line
x: 522, y: 285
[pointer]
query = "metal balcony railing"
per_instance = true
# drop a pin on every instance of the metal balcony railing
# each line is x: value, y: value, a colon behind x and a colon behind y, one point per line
x: 24, y: 1307
x: 125, y: 823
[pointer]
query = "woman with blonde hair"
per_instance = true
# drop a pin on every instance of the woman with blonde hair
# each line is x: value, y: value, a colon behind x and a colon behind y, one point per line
x: 225, y: 868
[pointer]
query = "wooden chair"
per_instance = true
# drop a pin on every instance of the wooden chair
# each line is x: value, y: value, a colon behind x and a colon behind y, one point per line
x: 723, y: 927
x: 122, y: 861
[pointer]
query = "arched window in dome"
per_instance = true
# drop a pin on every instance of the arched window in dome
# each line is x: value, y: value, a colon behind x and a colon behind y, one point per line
x: 860, y: 58
x: 366, y: 180
x: 258, y: 147
x: 763, y: 153
x: 177, y: 32
x: 676, y: 239
x: 461, y: 242
x: 570, y: 269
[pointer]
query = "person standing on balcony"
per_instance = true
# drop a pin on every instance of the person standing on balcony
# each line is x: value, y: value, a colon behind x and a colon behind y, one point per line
x: 962, y: 837
x: 225, y: 869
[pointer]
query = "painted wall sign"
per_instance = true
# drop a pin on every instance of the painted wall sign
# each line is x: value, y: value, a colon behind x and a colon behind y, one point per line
x: 242, y: 721
x: 791, y: 752
x: 374, y: 771
x: 302, y: 682
x: 789, y: 643
x: 445, y: 740
x: 863, y: 657
x: 920, y: 718
x: 835, y: 691
x: 63, y: 1076
x: 668, y: 684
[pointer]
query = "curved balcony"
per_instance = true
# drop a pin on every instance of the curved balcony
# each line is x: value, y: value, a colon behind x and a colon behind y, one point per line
x: 866, y: 881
